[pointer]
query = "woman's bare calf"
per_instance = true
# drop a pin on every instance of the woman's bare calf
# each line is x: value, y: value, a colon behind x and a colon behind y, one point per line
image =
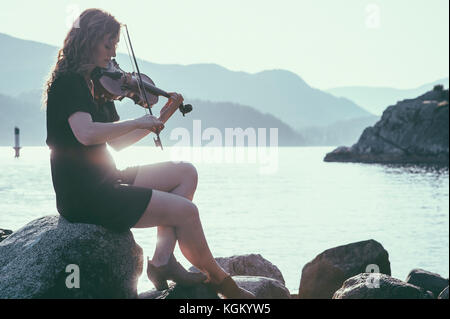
x: 172, y: 211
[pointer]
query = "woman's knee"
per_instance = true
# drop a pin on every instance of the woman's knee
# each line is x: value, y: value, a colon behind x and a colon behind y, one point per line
x: 189, y: 171
x: 166, y: 176
x: 165, y: 209
x: 190, y: 213
x: 194, y: 212
x: 189, y: 179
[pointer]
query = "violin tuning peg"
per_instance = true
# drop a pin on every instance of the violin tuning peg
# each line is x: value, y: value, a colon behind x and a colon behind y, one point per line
x: 185, y: 108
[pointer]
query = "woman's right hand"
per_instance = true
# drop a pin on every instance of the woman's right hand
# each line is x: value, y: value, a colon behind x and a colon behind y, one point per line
x: 150, y: 123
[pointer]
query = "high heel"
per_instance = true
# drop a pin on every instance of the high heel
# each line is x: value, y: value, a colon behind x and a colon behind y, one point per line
x: 229, y: 289
x: 174, y: 271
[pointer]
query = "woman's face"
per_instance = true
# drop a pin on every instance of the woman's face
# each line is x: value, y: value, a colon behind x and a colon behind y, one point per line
x: 105, y: 50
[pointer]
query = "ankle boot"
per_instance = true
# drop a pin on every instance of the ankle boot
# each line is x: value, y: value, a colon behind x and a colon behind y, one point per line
x: 229, y: 289
x: 174, y: 271
x: 157, y: 275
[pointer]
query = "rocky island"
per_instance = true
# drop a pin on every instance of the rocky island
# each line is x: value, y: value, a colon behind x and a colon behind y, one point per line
x: 413, y: 131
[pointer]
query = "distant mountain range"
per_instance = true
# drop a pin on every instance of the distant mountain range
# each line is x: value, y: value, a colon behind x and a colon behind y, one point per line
x: 24, y: 113
x: 27, y: 117
x: 377, y: 99
x: 221, y: 99
x: 278, y: 92
x: 336, y: 133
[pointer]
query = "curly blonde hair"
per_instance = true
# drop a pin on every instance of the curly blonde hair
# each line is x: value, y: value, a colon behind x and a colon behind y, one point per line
x: 79, y: 45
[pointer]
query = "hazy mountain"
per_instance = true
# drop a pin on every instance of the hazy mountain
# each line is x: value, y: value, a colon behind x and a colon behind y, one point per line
x: 25, y: 107
x: 26, y: 114
x: 339, y: 133
x: 24, y: 64
x: 278, y: 92
x: 377, y: 99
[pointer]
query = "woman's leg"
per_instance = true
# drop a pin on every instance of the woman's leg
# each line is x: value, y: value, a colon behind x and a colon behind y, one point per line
x: 178, y: 179
x: 166, y: 209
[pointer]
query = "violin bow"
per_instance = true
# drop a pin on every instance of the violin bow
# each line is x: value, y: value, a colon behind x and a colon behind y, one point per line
x: 157, y: 139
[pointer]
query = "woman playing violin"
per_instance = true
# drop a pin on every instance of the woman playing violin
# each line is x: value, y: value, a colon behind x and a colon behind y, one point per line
x: 88, y: 186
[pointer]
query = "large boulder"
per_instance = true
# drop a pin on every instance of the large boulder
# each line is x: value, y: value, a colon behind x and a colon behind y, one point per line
x: 248, y: 265
x: 262, y: 287
x: 200, y: 291
x: 412, y: 131
x: 49, y: 257
x: 427, y: 280
x: 325, y: 274
x: 379, y: 286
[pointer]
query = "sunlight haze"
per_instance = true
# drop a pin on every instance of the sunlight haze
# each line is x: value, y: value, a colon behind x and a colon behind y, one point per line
x: 400, y: 44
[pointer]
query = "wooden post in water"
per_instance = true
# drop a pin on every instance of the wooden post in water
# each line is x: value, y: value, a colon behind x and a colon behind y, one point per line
x: 17, y: 143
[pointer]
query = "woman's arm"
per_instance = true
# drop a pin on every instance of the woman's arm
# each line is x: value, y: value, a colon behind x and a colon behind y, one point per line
x: 88, y: 132
x: 128, y: 139
x: 132, y: 137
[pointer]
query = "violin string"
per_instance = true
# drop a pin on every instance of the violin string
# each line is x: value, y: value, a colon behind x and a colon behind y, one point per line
x: 132, y: 66
x: 128, y: 50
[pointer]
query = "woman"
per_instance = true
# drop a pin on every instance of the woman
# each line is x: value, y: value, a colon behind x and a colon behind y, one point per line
x: 87, y: 184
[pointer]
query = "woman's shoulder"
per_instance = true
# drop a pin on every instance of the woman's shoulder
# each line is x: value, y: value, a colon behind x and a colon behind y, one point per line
x: 67, y: 80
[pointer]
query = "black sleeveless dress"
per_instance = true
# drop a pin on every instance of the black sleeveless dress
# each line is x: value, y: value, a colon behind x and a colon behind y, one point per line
x: 88, y: 186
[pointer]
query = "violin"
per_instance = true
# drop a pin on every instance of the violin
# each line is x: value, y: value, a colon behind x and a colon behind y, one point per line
x: 113, y: 83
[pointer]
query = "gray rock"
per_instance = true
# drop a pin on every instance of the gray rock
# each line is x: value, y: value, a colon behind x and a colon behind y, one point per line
x: 175, y: 291
x: 379, y: 286
x: 412, y: 131
x: 151, y: 294
x: 262, y: 287
x: 322, y: 276
x: 33, y: 261
x: 4, y: 233
x: 248, y: 265
x: 427, y: 280
x: 444, y: 294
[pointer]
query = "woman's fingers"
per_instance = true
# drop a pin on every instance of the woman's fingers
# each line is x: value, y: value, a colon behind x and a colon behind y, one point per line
x: 176, y: 97
x: 159, y: 128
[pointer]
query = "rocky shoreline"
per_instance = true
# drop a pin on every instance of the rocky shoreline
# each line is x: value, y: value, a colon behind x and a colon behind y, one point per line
x: 110, y: 264
x: 4, y: 233
x: 414, y: 131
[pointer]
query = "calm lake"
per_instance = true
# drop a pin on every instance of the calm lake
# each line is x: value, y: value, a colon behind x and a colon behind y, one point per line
x: 285, y: 204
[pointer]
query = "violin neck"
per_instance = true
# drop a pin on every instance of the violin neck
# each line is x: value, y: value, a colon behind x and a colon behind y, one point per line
x: 167, y: 111
x: 153, y: 89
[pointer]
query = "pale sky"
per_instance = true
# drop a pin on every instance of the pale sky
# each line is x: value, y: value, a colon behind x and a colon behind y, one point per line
x: 329, y: 43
